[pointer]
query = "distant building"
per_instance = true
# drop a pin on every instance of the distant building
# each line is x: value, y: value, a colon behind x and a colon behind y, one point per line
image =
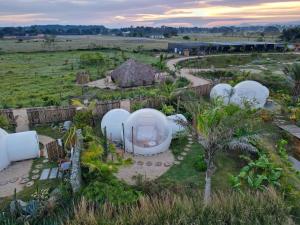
x: 297, y: 47
x: 133, y: 74
x: 200, y: 48
x: 157, y: 36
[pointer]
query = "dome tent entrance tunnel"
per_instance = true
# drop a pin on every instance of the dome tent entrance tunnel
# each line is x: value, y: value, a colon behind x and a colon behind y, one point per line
x: 147, y: 132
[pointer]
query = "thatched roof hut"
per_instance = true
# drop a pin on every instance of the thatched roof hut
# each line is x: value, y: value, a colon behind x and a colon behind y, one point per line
x: 133, y: 74
x: 82, y: 78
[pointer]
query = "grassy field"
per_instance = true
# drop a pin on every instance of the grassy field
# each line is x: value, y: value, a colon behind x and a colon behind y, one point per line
x: 73, y: 42
x: 39, y: 79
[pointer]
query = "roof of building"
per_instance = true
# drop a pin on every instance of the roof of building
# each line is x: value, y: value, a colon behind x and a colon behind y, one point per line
x: 132, y: 74
x: 198, y: 44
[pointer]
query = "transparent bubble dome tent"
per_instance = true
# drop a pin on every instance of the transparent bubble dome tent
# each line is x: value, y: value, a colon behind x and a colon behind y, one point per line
x: 147, y: 132
x: 113, y: 121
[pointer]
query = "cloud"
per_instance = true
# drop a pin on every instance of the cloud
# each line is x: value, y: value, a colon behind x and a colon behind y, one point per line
x: 120, y: 13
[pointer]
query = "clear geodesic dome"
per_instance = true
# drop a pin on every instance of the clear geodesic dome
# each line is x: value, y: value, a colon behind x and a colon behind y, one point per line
x: 147, y: 132
x: 113, y: 121
x: 222, y: 91
x: 250, y: 92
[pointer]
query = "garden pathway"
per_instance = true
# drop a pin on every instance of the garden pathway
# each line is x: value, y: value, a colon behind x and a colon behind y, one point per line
x: 21, y: 120
x: 12, y: 178
x: 150, y: 167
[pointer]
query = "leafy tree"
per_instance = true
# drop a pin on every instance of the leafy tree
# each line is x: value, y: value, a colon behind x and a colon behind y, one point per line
x: 186, y: 37
x: 219, y: 127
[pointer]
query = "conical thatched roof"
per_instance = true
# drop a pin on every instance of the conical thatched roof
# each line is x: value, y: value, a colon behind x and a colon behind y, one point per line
x: 133, y: 74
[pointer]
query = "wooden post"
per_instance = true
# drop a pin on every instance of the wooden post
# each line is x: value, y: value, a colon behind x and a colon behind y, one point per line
x: 132, y: 140
x: 123, y: 130
x: 178, y: 103
x: 105, y: 144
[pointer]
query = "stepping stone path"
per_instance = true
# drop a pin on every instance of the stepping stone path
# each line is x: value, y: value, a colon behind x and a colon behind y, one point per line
x: 39, y: 166
x: 158, y: 164
x: 35, y: 177
x: 149, y: 163
x: 167, y: 164
x: 29, y: 184
x: 176, y: 162
x: 24, y: 180
x: 183, y: 153
x: 180, y: 158
x: 140, y: 163
x: 53, y: 173
x: 45, y: 160
x: 45, y: 174
x: 13, y: 180
x: 36, y: 171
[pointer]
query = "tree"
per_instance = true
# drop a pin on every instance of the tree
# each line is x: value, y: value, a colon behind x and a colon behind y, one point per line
x: 220, y: 127
x: 50, y: 41
x: 294, y: 72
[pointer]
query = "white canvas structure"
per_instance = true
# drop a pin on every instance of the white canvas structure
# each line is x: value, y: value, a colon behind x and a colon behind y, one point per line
x: 176, y: 122
x: 17, y: 147
x: 113, y: 121
x: 147, y: 132
x: 250, y: 92
x: 222, y: 91
x: 2, y: 132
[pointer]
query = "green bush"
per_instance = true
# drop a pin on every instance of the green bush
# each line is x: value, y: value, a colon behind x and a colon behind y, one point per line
x: 200, y: 163
x: 110, y: 191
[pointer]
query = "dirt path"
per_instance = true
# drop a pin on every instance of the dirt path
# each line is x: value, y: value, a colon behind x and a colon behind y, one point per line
x: 21, y: 120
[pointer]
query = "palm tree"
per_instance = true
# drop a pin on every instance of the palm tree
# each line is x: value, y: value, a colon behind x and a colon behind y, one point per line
x: 294, y: 72
x: 216, y: 127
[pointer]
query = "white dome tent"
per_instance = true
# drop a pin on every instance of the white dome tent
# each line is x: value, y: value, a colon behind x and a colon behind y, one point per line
x: 113, y: 121
x: 4, y: 161
x: 176, y: 122
x: 147, y: 132
x: 250, y: 92
x: 17, y: 147
x: 222, y: 91
x: 21, y: 146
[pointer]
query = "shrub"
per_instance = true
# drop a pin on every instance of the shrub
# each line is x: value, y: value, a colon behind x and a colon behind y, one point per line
x: 110, y: 191
x: 200, y: 163
x: 3, y: 122
x: 168, y: 109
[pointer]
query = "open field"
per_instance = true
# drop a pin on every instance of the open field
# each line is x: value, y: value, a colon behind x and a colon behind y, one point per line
x: 73, y: 42
x: 81, y: 42
x: 37, y: 79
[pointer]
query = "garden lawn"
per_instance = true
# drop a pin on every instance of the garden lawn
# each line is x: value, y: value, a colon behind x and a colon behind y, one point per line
x: 185, y: 173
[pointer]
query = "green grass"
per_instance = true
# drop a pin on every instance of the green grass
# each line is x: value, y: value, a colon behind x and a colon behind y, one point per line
x: 229, y: 61
x: 185, y: 173
x: 50, y: 131
x: 40, y: 79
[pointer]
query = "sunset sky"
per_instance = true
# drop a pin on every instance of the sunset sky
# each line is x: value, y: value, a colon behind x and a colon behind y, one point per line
x: 121, y: 13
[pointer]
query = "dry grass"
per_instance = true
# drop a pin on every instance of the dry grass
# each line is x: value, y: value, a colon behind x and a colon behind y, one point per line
x: 225, y: 208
